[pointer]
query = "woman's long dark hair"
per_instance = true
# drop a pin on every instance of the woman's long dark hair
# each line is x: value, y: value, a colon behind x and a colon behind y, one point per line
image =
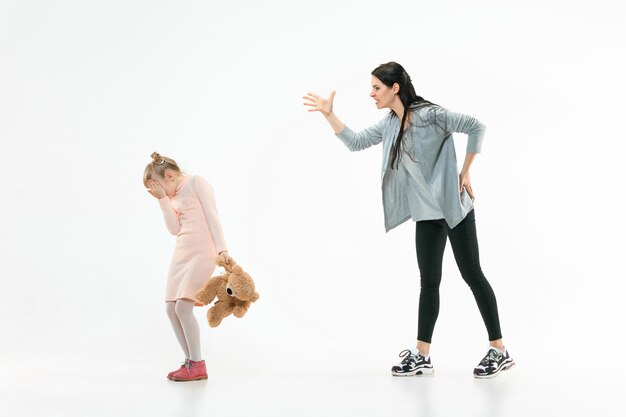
x: 391, y: 73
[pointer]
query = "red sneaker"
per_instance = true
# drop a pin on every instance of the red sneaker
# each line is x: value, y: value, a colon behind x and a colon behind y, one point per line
x: 169, y: 376
x: 193, y: 371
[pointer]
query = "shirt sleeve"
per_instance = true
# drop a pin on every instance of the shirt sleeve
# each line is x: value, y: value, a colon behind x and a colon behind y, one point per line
x: 204, y: 191
x: 170, y: 215
x: 463, y: 123
x: 371, y: 136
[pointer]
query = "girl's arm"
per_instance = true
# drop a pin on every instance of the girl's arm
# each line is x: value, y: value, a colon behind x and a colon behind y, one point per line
x: 170, y: 215
x: 353, y: 141
x: 204, y: 191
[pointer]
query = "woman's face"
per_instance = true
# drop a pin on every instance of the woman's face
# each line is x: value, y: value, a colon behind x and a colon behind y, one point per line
x: 383, y: 95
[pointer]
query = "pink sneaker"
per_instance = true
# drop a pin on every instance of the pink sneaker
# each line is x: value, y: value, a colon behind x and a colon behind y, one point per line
x: 169, y: 376
x: 193, y: 371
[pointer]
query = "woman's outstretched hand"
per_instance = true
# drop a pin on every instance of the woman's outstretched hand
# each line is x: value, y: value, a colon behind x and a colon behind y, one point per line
x: 156, y: 189
x: 317, y: 103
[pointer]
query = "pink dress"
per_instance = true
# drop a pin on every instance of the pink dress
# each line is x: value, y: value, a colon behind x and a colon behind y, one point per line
x: 191, y: 215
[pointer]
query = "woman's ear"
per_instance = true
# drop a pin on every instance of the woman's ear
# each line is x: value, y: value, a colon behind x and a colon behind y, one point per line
x: 169, y: 175
x: 395, y: 88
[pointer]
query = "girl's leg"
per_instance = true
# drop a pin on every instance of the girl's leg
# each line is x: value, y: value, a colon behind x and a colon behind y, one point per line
x: 189, y: 324
x: 465, y: 247
x: 176, y: 325
x: 430, y: 243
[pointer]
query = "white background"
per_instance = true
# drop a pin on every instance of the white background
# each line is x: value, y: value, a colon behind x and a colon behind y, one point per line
x: 88, y: 90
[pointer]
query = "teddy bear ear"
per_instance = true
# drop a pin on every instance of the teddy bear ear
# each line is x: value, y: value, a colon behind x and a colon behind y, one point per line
x: 254, y: 297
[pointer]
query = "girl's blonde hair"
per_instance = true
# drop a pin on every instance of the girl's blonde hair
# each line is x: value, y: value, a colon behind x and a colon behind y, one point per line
x: 157, y: 167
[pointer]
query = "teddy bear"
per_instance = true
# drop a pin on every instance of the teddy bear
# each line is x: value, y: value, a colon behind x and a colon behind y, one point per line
x: 234, y: 291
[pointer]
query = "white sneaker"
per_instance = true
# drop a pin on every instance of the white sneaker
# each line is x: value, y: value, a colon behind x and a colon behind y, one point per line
x: 413, y: 364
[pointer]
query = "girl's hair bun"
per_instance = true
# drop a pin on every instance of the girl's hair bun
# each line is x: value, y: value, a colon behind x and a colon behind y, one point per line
x: 158, y: 166
x: 157, y: 159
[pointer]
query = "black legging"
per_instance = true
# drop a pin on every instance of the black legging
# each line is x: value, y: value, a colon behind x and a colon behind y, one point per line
x: 430, y: 242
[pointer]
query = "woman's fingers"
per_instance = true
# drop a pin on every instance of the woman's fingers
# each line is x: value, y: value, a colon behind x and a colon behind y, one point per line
x: 317, y: 103
x: 468, y: 187
x: 312, y: 102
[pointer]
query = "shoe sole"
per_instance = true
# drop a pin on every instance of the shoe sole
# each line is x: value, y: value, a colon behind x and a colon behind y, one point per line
x: 198, y: 378
x: 418, y: 372
x: 505, y: 367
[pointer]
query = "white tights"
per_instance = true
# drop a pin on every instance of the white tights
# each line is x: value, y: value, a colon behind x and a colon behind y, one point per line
x: 185, y: 327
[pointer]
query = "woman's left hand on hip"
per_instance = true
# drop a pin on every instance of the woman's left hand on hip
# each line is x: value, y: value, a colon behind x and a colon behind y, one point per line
x: 464, y: 181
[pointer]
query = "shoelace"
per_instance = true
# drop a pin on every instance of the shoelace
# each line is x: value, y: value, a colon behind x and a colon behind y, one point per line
x: 408, y: 357
x: 491, y: 356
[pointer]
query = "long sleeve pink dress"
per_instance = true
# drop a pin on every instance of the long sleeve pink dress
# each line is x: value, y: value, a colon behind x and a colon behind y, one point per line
x: 191, y: 215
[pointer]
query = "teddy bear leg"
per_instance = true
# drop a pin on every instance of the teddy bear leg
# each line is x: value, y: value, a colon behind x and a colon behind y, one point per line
x: 240, y: 310
x: 217, y: 313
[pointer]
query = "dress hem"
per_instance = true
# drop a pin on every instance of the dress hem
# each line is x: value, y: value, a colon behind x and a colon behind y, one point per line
x: 195, y: 300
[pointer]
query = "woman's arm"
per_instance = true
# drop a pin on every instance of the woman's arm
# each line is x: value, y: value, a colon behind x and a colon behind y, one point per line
x: 324, y: 106
x: 475, y: 131
x: 204, y: 191
x: 353, y: 140
x: 463, y: 123
x: 464, y: 177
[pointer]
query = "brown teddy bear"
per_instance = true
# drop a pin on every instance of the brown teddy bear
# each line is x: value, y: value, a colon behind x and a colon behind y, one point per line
x: 234, y: 290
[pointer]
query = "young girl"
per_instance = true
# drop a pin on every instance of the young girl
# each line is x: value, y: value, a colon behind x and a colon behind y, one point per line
x: 421, y: 182
x: 190, y: 214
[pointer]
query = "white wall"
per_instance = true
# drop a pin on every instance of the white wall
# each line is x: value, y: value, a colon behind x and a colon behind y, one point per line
x: 89, y: 89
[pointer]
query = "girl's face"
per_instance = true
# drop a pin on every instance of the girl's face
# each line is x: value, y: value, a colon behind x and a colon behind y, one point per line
x: 383, y: 96
x: 168, y: 182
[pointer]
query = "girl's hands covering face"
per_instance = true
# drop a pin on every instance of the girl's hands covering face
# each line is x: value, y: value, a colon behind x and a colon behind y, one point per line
x: 156, y: 189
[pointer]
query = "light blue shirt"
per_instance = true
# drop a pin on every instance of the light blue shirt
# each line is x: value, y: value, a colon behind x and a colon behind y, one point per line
x: 425, y: 186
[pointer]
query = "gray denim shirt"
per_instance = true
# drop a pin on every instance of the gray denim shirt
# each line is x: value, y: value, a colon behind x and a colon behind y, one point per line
x: 425, y: 186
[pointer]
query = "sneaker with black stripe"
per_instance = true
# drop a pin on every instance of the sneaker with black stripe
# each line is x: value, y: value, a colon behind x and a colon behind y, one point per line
x: 493, y: 363
x: 413, y: 364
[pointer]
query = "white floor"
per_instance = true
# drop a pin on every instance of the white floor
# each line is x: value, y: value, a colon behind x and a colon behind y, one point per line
x: 522, y: 391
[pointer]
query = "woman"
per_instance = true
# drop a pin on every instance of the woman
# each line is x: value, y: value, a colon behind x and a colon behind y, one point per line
x: 421, y: 182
